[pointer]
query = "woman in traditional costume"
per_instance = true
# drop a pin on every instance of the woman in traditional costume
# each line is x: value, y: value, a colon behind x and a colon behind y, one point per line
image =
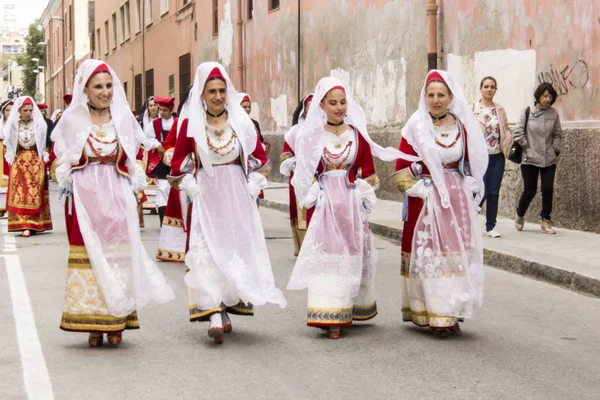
x: 338, y: 256
x: 150, y: 112
x: 110, y: 274
x: 220, y: 164
x: 298, y: 215
x: 28, y: 203
x: 4, y: 167
x: 442, y: 250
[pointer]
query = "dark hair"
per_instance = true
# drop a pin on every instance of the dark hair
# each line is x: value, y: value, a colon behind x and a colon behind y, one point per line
x: 542, y: 89
x: 183, y: 99
x: 491, y: 78
x: 445, y: 84
x: 297, y: 112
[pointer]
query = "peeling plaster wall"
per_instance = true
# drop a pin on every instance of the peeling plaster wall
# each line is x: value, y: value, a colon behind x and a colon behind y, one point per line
x: 565, y: 36
x: 371, y: 46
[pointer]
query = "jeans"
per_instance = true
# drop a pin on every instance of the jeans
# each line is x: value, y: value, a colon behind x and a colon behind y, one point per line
x: 492, y: 180
x: 530, y: 178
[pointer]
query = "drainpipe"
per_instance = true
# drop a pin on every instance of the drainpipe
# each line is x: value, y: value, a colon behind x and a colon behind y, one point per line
x: 298, y: 55
x: 239, y: 46
x: 73, y: 34
x: 432, y: 8
x: 144, y: 97
x: 64, y: 48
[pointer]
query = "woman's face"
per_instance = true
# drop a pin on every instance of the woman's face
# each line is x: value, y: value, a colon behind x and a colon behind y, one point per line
x: 6, y: 111
x: 438, y: 98
x: 335, y: 105
x: 247, y: 106
x: 488, y: 90
x: 59, y: 115
x: 25, y: 112
x: 546, y: 99
x: 306, y: 108
x: 99, y: 90
x: 152, y: 109
x: 215, y: 96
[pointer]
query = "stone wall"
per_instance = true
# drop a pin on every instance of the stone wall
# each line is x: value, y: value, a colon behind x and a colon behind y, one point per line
x: 576, y: 189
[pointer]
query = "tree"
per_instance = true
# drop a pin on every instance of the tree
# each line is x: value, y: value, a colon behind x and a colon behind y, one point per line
x: 32, y: 50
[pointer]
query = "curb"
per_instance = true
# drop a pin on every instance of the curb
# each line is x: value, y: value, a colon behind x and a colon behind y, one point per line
x: 506, y: 262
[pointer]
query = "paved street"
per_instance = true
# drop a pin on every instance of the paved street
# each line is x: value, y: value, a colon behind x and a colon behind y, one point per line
x: 531, y: 341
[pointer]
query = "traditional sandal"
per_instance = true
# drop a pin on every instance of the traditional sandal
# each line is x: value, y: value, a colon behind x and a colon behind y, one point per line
x: 26, y: 233
x: 334, y: 333
x: 227, y: 327
x: 114, y: 338
x: 95, y: 339
x: 216, y: 334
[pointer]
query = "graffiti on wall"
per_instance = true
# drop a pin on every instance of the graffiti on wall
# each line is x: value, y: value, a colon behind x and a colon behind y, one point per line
x: 570, y: 77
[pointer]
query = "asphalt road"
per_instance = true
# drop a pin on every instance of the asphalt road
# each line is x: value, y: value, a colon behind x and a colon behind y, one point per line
x: 531, y: 341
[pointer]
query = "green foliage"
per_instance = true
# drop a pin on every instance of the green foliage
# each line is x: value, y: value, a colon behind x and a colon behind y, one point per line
x: 32, y: 50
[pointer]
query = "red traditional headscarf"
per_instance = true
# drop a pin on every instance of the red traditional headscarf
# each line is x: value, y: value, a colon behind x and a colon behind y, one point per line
x: 68, y: 98
x: 307, y: 99
x: 100, y: 68
x: 246, y: 98
x: 215, y: 73
x: 25, y: 102
x: 332, y: 89
x: 434, y: 76
x: 166, y: 102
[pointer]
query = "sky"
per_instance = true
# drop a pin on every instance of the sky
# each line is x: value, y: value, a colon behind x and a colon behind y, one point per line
x: 26, y: 11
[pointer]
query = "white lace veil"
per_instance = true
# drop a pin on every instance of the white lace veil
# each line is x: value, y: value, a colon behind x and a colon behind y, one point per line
x: 310, y: 139
x: 146, y: 117
x: 194, y: 110
x: 40, y: 129
x: 419, y: 133
x: 55, y: 114
x: 75, y: 125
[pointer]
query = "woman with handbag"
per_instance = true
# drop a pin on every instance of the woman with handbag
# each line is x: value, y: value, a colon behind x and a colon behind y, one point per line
x: 539, y: 133
x: 494, y: 125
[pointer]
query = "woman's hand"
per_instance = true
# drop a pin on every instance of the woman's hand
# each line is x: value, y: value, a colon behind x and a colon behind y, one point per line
x: 420, y: 189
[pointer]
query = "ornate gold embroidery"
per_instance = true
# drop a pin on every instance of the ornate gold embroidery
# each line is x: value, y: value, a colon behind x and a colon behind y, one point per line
x: 404, y: 179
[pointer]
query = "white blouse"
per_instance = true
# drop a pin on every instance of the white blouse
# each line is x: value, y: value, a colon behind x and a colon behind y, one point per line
x: 26, y: 134
x: 103, y: 140
x: 223, y: 145
x: 449, y: 143
x: 339, y: 150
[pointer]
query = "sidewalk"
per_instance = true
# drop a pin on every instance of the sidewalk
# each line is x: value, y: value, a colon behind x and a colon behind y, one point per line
x: 570, y: 258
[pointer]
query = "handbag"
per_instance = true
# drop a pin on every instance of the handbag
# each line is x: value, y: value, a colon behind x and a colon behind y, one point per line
x: 515, y: 154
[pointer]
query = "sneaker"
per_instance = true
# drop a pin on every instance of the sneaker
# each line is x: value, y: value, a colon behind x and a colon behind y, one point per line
x: 546, y: 225
x: 519, y: 223
x: 493, y: 234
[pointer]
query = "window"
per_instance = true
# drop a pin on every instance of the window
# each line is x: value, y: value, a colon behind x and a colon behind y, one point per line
x: 125, y: 15
x: 139, y: 93
x: 250, y: 9
x: 70, y: 23
x: 138, y: 16
x: 149, y: 83
x: 273, y: 5
x: 171, y: 85
x: 148, y: 12
x: 98, y: 48
x: 107, y: 43
x: 164, y: 6
x: 125, y: 90
x: 215, y: 15
x: 65, y: 36
x: 184, y: 74
x: 114, y: 30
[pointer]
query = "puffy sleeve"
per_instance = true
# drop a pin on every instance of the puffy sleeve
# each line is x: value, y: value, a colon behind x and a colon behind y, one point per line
x: 142, y: 138
x: 184, y: 159
x: 406, y: 174
x: 258, y: 160
x: 286, y: 152
x: 367, y: 166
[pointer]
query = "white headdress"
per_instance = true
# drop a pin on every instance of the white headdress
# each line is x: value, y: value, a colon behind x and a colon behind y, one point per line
x: 40, y: 129
x: 419, y: 133
x: 75, y: 125
x: 55, y: 114
x: 310, y: 138
x: 195, y: 112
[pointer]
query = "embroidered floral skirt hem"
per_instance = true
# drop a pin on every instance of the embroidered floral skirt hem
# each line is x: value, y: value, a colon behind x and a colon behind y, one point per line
x: 200, y: 315
x: 28, y: 202
x: 442, y: 258
x: 171, y: 242
x: 327, y: 310
x: 85, y: 309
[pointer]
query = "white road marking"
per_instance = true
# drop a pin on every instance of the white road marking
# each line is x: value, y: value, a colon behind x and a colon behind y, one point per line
x: 35, y: 374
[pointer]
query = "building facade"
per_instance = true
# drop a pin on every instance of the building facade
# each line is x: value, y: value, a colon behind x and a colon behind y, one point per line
x: 67, y: 25
x: 277, y: 50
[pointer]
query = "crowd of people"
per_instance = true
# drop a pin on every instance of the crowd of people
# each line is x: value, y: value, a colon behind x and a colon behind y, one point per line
x: 207, y: 165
